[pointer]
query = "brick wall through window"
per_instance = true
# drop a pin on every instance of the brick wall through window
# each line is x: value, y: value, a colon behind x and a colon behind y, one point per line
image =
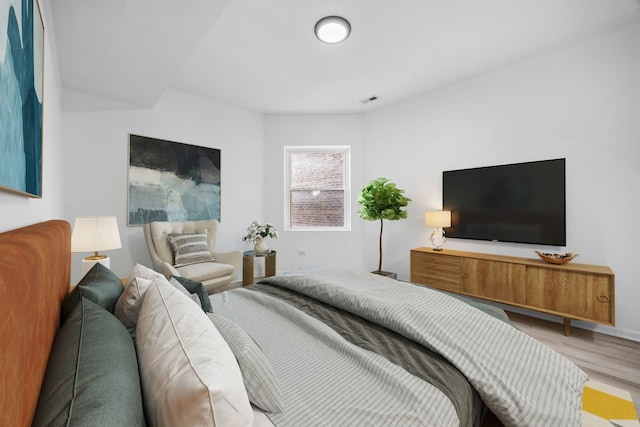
x: 317, y: 186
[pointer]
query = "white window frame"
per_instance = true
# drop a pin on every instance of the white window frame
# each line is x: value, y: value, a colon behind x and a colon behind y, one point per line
x: 346, y: 151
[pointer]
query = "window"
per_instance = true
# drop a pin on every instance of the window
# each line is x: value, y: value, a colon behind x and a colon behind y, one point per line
x: 317, y: 188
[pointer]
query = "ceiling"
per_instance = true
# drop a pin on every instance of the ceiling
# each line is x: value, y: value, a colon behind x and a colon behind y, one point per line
x: 263, y: 55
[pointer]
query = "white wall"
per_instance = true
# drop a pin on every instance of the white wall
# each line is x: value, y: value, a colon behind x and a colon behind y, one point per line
x: 16, y: 210
x: 340, y: 248
x: 96, y: 148
x: 580, y: 101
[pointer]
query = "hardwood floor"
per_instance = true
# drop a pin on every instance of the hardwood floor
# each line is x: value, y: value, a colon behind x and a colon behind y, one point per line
x: 604, y: 358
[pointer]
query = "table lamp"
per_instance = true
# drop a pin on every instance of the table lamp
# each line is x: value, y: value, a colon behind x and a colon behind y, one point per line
x: 437, y: 219
x: 95, y: 234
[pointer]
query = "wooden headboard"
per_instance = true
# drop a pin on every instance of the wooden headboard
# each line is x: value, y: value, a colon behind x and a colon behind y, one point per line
x: 35, y: 274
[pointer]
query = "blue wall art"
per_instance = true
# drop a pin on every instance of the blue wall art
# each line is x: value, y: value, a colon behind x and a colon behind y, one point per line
x: 171, y: 181
x: 21, y: 88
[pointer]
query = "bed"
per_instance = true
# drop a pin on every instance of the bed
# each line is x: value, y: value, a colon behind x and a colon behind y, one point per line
x: 35, y: 272
x: 319, y: 346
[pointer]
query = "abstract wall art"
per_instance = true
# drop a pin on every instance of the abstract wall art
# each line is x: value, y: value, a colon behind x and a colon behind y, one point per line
x: 21, y: 89
x: 172, y: 181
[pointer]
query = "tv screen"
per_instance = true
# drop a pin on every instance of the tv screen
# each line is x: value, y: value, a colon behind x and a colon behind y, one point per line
x: 521, y: 202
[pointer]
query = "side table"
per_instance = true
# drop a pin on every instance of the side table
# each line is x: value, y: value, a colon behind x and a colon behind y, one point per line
x: 247, y: 265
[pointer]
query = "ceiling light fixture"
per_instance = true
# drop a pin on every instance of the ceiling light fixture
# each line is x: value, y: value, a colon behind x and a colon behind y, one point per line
x: 332, y: 29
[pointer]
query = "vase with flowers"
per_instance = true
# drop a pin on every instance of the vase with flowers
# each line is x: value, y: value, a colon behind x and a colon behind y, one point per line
x: 256, y: 235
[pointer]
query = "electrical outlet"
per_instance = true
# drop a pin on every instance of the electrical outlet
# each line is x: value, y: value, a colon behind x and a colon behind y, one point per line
x: 302, y: 252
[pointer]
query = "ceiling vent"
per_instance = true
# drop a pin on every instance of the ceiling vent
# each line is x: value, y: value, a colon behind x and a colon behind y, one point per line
x: 370, y: 99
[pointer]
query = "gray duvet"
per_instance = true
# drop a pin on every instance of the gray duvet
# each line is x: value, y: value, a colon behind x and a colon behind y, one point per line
x: 325, y: 380
x: 383, y: 361
x: 414, y: 358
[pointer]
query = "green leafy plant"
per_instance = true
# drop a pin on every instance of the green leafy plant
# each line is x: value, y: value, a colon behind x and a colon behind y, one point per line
x: 380, y: 200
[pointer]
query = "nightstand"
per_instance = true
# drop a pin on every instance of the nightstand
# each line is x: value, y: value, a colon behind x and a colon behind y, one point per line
x: 247, y: 265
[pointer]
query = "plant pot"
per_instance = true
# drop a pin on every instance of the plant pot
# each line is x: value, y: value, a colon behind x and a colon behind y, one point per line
x: 386, y: 274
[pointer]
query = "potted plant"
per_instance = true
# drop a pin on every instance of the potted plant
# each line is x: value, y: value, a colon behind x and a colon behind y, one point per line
x: 380, y: 200
x: 256, y: 233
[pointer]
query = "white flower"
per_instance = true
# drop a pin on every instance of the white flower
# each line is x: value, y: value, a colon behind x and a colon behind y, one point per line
x: 257, y: 232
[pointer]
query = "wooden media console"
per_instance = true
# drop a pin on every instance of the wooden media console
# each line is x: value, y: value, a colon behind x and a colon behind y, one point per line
x: 571, y: 291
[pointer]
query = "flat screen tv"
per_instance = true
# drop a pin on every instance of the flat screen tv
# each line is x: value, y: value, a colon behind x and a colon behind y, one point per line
x: 521, y: 202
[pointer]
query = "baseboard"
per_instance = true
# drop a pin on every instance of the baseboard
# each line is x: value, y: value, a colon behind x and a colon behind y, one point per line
x: 588, y: 326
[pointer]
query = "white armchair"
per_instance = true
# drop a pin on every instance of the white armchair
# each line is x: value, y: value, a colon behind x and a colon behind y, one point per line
x: 213, y: 275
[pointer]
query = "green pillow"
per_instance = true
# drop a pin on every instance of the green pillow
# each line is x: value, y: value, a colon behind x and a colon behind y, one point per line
x: 92, y: 378
x: 196, y: 288
x: 99, y: 285
x: 193, y: 297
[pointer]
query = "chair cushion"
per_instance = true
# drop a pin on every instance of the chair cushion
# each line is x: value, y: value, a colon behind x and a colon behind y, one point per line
x: 190, y: 248
x: 160, y: 230
x: 205, y: 271
x: 92, y: 378
x: 99, y: 285
x: 189, y: 375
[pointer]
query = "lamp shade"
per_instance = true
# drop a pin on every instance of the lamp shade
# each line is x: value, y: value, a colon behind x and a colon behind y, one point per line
x: 95, y: 233
x: 437, y: 218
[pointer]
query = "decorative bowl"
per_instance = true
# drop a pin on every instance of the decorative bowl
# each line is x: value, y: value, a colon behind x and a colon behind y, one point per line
x: 556, y: 258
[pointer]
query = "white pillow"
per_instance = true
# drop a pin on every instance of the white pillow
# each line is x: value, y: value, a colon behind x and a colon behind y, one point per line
x: 189, y: 375
x: 128, y: 305
x: 140, y: 270
x: 257, y: 374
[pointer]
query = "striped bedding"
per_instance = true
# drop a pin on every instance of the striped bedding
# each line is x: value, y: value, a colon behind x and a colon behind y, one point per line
x: 522, y: 381
x: 412, y: 357
x: 325, y: 380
